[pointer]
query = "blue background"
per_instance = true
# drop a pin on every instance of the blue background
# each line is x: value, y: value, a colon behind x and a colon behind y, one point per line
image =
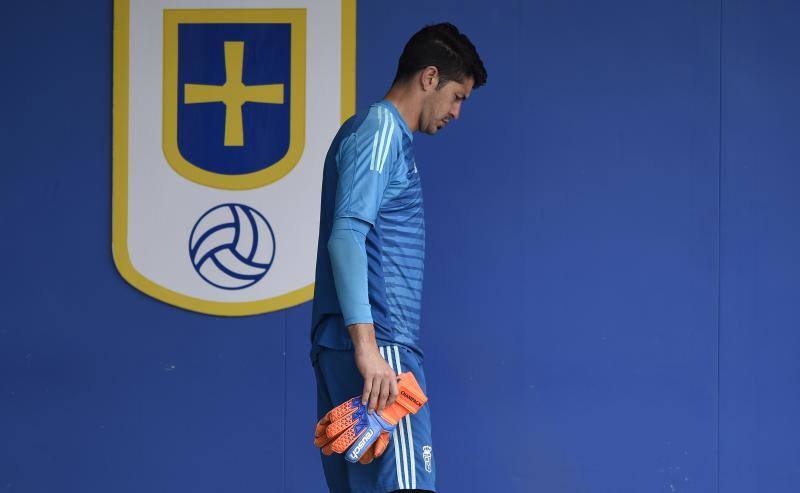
x: 201, y: 126
x: 612, y: 281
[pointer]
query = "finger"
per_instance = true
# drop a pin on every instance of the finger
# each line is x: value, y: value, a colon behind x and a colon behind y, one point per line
x: 367, y: 390
x: 380, y: 444
x: 345, y: 408
x: 321, y: 425
x: 375, y: 395
x: 344, y: 441
x: 320, y: 438
x: 324, y: 438
x: 368, y: 456
x: 321, y: 441
x: 343, y: 423
x: 393, y: 392
x: 386, y: 389
x: 328, y: 449
x: 340, y: 414
x: 319, y: 431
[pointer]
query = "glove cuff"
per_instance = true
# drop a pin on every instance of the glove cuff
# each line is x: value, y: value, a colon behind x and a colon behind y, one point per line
x: 410, y: 399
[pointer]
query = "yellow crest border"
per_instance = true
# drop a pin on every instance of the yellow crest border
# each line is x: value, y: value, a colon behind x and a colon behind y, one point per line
x: 276, y: 171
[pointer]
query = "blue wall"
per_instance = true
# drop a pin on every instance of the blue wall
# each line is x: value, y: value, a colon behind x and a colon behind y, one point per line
x: 612, y: 286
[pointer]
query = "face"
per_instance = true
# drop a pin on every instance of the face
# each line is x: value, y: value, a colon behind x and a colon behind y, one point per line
x: 442, y: 105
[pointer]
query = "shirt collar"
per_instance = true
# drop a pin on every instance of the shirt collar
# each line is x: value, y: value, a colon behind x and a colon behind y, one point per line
x: 388, y: 104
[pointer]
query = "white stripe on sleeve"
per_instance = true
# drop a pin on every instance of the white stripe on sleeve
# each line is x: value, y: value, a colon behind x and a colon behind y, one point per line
x: 384, y: 140
x: 387, y: 147
x: 374, y: 142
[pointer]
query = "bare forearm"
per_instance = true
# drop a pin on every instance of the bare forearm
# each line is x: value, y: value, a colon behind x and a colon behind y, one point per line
x: 380, y: 381
x: 363, y: 336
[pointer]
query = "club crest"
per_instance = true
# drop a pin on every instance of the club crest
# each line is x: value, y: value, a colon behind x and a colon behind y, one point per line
x: 222, y: 119
x: 234, y: 94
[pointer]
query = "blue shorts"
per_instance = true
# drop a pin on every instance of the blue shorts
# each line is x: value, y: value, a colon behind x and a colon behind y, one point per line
x: 408, y: 461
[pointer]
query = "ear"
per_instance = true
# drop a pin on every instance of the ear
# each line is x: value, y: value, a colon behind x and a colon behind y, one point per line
x: 429, y: 78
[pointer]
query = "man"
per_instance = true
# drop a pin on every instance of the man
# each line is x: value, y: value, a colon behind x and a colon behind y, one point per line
x: 366, y: 316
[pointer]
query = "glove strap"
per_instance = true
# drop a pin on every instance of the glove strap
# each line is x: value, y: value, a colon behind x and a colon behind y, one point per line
x: 409, y: 400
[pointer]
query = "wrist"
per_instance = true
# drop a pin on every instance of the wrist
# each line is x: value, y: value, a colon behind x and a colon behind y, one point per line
x: 363, y: 336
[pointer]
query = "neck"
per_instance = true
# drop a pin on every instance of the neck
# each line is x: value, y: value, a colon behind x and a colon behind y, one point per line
x: 405, y: 101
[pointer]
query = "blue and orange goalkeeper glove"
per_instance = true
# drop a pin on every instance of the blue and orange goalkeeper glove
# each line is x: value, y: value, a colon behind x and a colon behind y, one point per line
x: 351, y: 428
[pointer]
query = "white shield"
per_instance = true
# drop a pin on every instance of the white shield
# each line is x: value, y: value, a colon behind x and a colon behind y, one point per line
x: 223, y: 113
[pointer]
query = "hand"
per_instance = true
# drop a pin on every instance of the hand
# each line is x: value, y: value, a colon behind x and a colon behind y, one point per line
x: 380, y: 381
x: 364, y: 435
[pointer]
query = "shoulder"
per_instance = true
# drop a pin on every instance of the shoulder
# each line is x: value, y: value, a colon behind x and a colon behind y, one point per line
x: 374, y: 121
x: 372, y: 135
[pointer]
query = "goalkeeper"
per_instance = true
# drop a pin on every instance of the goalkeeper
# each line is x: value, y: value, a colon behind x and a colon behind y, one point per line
x: 370, y: 257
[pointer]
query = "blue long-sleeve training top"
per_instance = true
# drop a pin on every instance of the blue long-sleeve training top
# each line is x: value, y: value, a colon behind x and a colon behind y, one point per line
x: 370, y: 190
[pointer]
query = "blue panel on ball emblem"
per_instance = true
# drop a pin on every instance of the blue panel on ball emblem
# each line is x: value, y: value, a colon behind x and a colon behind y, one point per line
x: 232, y: 246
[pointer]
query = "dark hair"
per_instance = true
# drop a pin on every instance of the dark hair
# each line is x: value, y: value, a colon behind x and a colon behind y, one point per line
x: 447, y: 49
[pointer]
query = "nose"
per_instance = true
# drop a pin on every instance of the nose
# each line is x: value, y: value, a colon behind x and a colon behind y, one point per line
x: 455, y: 112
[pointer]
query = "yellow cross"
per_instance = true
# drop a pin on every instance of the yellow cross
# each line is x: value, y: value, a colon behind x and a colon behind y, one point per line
x: 233, y: 93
